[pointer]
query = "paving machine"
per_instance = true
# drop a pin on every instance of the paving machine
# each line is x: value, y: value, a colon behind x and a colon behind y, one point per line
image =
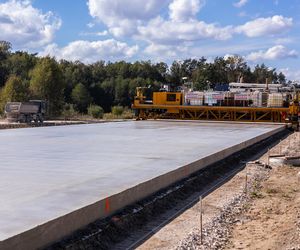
x: 173, y: 105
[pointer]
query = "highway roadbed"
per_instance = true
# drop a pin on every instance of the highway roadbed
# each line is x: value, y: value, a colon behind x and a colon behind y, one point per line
x: 56, y: 180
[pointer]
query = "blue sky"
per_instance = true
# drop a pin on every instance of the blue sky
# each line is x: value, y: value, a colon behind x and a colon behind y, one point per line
x: 262, y: 31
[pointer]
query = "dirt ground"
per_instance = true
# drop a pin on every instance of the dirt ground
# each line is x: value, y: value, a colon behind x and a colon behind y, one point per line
x: 267, y: 216
x: 273, y: 220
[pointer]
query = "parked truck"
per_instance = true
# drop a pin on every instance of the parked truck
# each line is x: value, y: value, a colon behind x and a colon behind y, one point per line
x: 26, y: 112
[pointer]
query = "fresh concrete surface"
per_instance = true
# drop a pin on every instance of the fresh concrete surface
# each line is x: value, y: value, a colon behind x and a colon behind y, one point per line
x: 49, y: 172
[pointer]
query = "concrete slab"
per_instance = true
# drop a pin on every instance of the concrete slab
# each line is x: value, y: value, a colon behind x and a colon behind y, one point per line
x: 56, y: 179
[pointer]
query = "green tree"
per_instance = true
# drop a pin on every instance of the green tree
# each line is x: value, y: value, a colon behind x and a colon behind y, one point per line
x: 98, y: 71
x: 236, y: 66
x: 108, y: 87
x: 5, y: 48
x: 14, y: 91
x: 81, y: 97
x: 21, y: 63
x: 261, y: 73
x: 47, y: 83
x: 281, y: 78
x: 121, y: 92
x: 217, y: 71
x: 176, y: 74
x: 200, y: 75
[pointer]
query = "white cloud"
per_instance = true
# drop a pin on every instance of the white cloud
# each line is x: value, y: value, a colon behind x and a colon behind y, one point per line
x: 122, y: 16
x: 127, y: 9
x: 242, y: 14
x: 100, y: 33
x: 226, y: 56
x: 240, y: 3
x: 274, y: 53
x: 90, y: 25
x: 173, y: 32
x: 163, y: 31
x: 161, y: 52
x: 284, y: 40
x: 141, y: 21
x: 293, y: 75
x: 265, y: 26
x: 182, y: 10
x: 89, y: 52
x: 25, y: 26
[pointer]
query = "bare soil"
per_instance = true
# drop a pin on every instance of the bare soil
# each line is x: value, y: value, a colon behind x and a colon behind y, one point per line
x: 273, y: 220
x: 267, y: 216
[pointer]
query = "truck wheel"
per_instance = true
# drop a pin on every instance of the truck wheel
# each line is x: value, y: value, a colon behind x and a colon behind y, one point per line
x: 41, y: 118
x: 28, y: 119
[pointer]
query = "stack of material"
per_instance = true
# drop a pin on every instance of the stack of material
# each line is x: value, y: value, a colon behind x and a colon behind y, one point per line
x: 259, y: 99
x: 212, y: 98
x: 275, y: 100
x: 245, y: 96
x: 194, y: 98
x: 228, y: 99
x: 229, y: 95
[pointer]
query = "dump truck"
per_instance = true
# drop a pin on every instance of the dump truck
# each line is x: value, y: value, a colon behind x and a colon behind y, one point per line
x: 26, y: 112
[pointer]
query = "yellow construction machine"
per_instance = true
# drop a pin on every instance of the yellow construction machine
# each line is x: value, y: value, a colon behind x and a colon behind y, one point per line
x: 172, y: 105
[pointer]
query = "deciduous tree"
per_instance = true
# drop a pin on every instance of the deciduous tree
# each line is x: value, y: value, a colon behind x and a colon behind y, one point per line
x: 47, y: 83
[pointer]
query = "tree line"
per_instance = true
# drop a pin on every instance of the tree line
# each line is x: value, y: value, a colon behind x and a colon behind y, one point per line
x: 25, y: 76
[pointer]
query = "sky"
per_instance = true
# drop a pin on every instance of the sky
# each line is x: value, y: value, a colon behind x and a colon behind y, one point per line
x: 261, y: 31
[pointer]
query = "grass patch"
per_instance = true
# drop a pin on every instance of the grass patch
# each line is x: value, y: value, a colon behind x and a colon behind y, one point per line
x: 256, y: 194
x: 272, y: 191
x: 126, y: 114
x: 286, y: 196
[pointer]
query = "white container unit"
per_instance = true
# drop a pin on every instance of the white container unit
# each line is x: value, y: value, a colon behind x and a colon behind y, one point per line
x: 212, y: 98
x: 245, y: 96
x: 275, y: 100
x: 194, y: 98
x: 259, y: 99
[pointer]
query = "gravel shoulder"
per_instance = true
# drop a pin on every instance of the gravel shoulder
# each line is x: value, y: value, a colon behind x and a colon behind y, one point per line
x: 267, y: 216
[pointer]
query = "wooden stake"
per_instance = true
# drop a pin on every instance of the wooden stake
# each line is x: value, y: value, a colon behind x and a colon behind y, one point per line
x: 280, y: 147
x: 201, y: 236
x: 246, y: 183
